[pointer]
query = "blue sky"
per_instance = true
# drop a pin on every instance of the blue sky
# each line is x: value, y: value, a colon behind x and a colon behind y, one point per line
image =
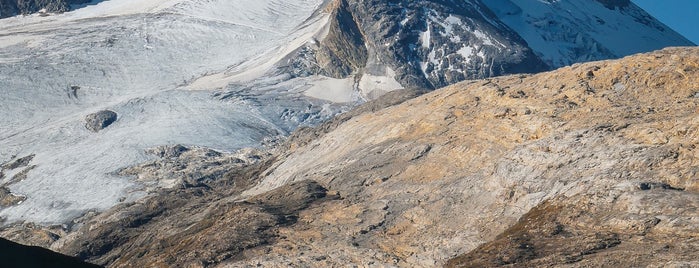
x: 680, y: 15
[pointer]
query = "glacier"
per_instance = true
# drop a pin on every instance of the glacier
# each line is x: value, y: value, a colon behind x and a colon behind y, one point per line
x: 175, y: 72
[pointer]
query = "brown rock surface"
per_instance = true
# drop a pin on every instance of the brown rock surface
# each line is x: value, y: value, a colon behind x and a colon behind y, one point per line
x: 435, y: 177
x: 590, y: 165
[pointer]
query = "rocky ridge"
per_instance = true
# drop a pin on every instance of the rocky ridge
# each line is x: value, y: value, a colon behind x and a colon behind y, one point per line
x: 401, y: 43
x: 593, y: 164
x: 16, y: 7
x: 432, y: 44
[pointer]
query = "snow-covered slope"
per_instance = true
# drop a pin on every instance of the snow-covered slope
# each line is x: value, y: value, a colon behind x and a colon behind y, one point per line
x: 570, y: 31
x: 136, y: 58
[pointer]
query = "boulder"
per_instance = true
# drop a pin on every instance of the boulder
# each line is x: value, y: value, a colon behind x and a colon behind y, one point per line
x: 100, y: 120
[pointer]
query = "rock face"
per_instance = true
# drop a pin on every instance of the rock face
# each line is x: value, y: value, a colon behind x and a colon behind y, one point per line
x: 100, y: 120
x: 589, y: 165
x: 421, y: 44
x: 343, y: 51
x: 15, y: 7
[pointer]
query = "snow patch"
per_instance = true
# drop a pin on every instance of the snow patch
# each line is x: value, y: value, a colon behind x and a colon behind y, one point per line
x: 373, y: 86
x: 425, y: 37
x: 332, y: 89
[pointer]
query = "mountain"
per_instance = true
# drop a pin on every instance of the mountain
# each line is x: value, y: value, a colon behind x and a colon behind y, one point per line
x: 92, y: 94
x: 431, y: 44
x: 565, y: 32
x: 421, y: 44
x: 589, y: 165
x: 10, y: 8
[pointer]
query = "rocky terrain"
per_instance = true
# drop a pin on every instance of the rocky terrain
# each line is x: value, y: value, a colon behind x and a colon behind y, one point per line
x: 159, y: 133
x: 88, y: 92
x: 590, y: 165
x: 14, y: 7
x: 432, y: 44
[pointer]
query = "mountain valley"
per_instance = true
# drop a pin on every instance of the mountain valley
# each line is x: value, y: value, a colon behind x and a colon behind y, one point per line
x: 189, y: 133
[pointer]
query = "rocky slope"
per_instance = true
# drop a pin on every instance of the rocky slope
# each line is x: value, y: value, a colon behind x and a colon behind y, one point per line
x: 431, y: 44
x: 204, y: 73
x: 565, y: 32
x: 15, y: 7
x: 590, y: 165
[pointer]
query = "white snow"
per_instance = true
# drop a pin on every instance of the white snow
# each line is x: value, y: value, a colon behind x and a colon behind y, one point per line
x: 487, y: 40
x: 140, y: 59
x: 332, y: 89
x: 466, y: 52
x: 425, y: 37
x: 372, y: 86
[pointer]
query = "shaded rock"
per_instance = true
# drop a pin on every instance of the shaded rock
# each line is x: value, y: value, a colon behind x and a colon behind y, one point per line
x: 17, y: 255
x: 198, y: 232
x: 20, y: 162
x: 168, y: 151
x: 343, y: 51
x: 8, y: 199
x: 32, y: 234
x: 100, y: 120
x: 16, y: 7
x: 21, y: 175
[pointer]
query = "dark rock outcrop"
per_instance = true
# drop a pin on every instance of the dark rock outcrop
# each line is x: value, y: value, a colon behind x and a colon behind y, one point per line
x: 8, y: 199
x: 100, y: 120
x: 343, y: 51
x: 18, y: 163
x: 16, y: 7
x: 17, y: 255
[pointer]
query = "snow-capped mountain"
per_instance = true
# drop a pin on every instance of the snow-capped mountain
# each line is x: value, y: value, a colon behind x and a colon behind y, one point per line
x: 430, y: 44
x: 232, y: 74
x: 565, y: 32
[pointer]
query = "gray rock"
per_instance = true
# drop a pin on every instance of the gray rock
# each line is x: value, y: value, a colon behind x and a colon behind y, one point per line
x: 100, y: 120
x: 20, y: 162
x: 415, y: 39
x: 10, y: 8
x: 8, y: 199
